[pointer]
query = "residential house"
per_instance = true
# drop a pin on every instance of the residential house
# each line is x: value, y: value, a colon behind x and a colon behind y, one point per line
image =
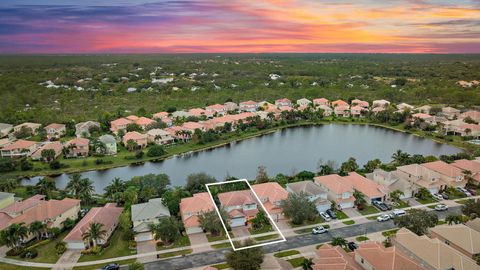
x: 315, y: 193
x: 217, y: 109
x: 271, y: 195
x: 449, y: 174
x: 424, y: 109
x: 404, y: 106
x: 84, y: 129
x: 160, y: 115
x: 140, y: 139
x: 20, y: 148
x: 5, y: 129
x: 4, y: 142
x: 421, y: 177
x: 231, y: 106
x: 33, y: 127
x: 378, y: 109
x: 132, y: 118
x: 321, y: 101
x: 360, y: 103
x: 248, y: 106
x: 6, y: 199
x: 469, y: 165
x: 192, y: 126
x: 283, y: 102
x: 461, y: 237
x: 450, y: 112
x: 341, y: 111
x: 178, y: 133
x: 159, y: 136
x: 329, y: 257
x: 107, y: 215
x: 144, y: 122
x: 55, y: 131
x: 110, y: 144
x: 240, y: 206
x: 474, y: 115
x: 327, y: 111
x: 432, y: 253
x: 180, y: 114
x: 77, y: 147
x: 422, y: 116
x: 303, y: 102
x: 380, y: 103
x: 339, y: 102
x: 199, y: 112
x: 119, y: 124
x: 52, y: 213
x: 339, y: 190
x: 474, y: 224
x: 372, y: 190
x: 357, y: 111
x: 393, y: 182
x: 373, y: 255
x: 192, y: 207
x: 56, y: 146
x: 145, y: 214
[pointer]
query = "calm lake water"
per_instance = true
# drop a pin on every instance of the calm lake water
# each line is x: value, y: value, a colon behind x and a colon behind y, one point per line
x: 285, y: 151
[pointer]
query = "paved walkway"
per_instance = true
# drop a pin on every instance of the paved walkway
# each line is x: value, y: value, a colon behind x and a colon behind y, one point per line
x: 198, y: 239
x: 67, y: 259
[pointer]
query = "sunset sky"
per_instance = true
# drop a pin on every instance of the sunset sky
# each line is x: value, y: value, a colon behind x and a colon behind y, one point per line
x: 147, y: 26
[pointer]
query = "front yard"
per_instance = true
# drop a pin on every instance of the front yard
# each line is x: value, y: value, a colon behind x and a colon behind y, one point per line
x: 118, y: 247
x: 368, y: 210
x: 46, y: 251
x: 183, y: 241
x: 317, y: 220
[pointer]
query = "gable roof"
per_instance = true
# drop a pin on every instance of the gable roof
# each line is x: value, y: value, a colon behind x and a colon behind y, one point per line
x: 307, y: 186
x: 107, y: 138
x: 20, y: 144
x: 366, y: 186
x: 78, y: 141
x: 134, y: 135
x: 271, y: 190
x: 443, y: 168
x: 468, y: 165
x: 121, y: 122
x: 335, y: 183
x: 55, y: 126
x: 381, y: 258
x: 464, y: 237
x: 334, y: 258
x: 234, y: 198
x: 154, y: 208
x: 200, y: 202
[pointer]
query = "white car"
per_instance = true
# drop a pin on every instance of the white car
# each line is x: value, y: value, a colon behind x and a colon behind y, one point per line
x: 325, y: 216
x: 441, y: 207
x: 383, y: 218
x: 438, y: 197
x: 319, y: 230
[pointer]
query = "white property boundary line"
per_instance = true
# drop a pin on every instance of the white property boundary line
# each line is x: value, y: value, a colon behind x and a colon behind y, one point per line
x: 259, y: 201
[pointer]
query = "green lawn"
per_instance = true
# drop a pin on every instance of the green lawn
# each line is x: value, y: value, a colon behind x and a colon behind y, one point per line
x: 286, y: 253
x: 340, y: 214
x: 46, y: 252
x: 297, y: 262
x: 183, y: 241
x: 222, y: 245
x: 361, y: 238
x: 264, y: 229
x: 389, y: 233
x: 221, y: 266
x: 402, y: 204
x: 175, y: 253
x: 441, y: 222
x: 220, y: 237
x: 426, y: 200
x: 266, y: 237
x: 317, y: 220
x: 373, y: 217
x: 348, y: 222
x: 368, y: 210
x: 118, y: 247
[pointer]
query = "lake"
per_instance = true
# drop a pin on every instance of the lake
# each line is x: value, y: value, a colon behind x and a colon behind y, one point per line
x: 285, y: 151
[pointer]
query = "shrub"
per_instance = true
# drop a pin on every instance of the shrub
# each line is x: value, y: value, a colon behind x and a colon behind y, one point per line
x: 13, y: 252
x: 61, y: 247
x: 156, y: 151
x: 139, y: 155
x: 29, y: 254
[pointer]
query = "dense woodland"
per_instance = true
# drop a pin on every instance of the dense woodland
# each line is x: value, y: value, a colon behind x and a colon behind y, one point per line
x: 91, y: 86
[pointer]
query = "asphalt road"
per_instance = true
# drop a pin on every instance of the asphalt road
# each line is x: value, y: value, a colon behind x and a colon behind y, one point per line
x: 218, y: 256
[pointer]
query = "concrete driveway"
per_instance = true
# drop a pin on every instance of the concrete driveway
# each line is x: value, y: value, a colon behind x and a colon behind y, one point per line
x: 353, y: 213
x: 68, y: 257
x: 241, y: 231
x: 146, y: 247
x: 199, y: 239
x: 285, y: 227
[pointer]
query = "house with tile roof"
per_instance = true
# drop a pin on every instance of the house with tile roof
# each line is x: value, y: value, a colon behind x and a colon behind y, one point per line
x: 78, y: 147
x: 271, y: 195
x: 450, y: 112
x: 140, y: 139
x: 339, y: 190
x: 144, y: 122
x: 461, y: 237
x: 283, y: 102
x: 110, y: 144
x: 380, y: 103
x: 469, y: 165
x: 474, y: 115
x: 304, y: 102
x: 321, y: 101
x: 393, y: 182
x: 159, y: 136
x: 20, y: 148
x: 342, y: 111
x: 360, y: 103
x: 192, y: 126
x: 145, y: 214
x: 449, y: 174
x: 339, y: 102
x: 248, y: 106
x: 107, y: 215
x: 55, y: 131
x: 404, y: 106
x: 241, y: 206
x: 160, y: 115
x: 372, y: 190
x: 231, y: 106
x: 192, y: 207
x: 432, y: 253
x: 218, y: 109
x: 84, y: 129
x: 329, y: 257
x: 33, y: 127
x: 373, y: 255
x: 421, y: 177
x: 5, y: 129
x: 119, y: 124
x: 358, y: 111
x: 315, y: 193
x: 56, y: 146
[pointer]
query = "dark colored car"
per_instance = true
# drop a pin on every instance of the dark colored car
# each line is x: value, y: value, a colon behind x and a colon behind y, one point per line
x: 112, y: 266
x: 472, y: 191
x: 445, y: 196
x: 352, y: 246
x: 331, y: 213
x: 380, y: 205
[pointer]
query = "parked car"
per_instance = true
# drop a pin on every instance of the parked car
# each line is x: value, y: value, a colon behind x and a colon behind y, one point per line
x: 325, y: 216
x: 437, y: 197
x: 441, y: 207
x: 352, y: 246
x: 445, y: 196
x: 383, y: 218
x: 397, y: 213
x: 380, y: 205
x: 319, y: 230
x: 112, y: 266
x: 331, y: 213
x: 464, y: 191
x: 472, y: 191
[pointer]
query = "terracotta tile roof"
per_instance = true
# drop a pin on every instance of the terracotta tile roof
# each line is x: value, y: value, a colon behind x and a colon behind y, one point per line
x: 200, y: 202
x: 234, y: 198
x: 160, y: 115
x: 20, y: 206
x: 56, y: 146
x: 381, y: 258
x: 248, y: 103
x: 216, y: 107
x: 366, y: 186
x: 468, y: 165
x: 196, y: 112
x: 335, y: 183
x: 360, y: 103
x: 192, y: 125
x: 55, y: 126
x: 132, y: 118
x: 334, y: 258
x: 320, y: 100
x: 272, y: 191
x: 339, y: 103
x: 79, y: 142
x: 307, y: 186
x: 20, y: 144
x: 134, y: 135
x: 107, y: 215
x: 235, y: 213
x: 121, y: 122
x: 443, y: 168
x: 283, y: 100
x: 421, y: 115
x: 144, y: 121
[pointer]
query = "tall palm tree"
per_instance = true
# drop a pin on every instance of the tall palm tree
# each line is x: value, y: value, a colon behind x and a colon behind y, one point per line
x: 360, y: 200
x: 74, y: 185
x: 453, y: 219
x: 13, y: 235
x: 307, y: 264
x: 45, y: 186
x: 37, y: 228
x: 116, y: 186
x: 87, y: 190
x: 94, y: 233
x: 339, y: 241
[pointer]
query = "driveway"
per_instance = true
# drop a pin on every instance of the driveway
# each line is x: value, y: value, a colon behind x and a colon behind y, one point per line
x: 241, y: 231
x: 199, y: 242
x: 68, y: 257
x: 412, y: 202
x: 285, y: 228
x: 146, y: 247
x: 353, y: 213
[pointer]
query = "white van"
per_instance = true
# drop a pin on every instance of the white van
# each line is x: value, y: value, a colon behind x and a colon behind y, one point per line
x: 398, y: 212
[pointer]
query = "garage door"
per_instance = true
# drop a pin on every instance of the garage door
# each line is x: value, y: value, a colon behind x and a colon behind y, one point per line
x: 323, y: 207
x: 237, y: 222
x: 147, y: 236
x: 75, y: 245
x: 193, y: 230
x: 346, y: 205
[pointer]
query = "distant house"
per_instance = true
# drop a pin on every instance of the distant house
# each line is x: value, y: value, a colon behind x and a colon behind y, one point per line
x: 159, y: 136
x: 327, y: 111
x: 372, y: 190
x: 119, y: 124
x: 341, y: 111
x: 404, y: 106
x: 145, y: 214
x: 450, y: 112
x: 192, y: 207
x: 321, y: 101
x: 140, y: 139
x: 217, y: 109
x: 180, y: 114
x: 240, y: 206
x: 424, y: 109
x: 462, y: 238
x: 378, y: 109
x: 423, y: 117
x: 84, y: 129
x: 469, y: 165
x: 107, y: 216
x: 338, y: 190
x: 380, y: 103
x: 421, y: 177
x: 55, y: 131
x: 33, y: 127
x: 55, y: 146
x: 304, y: 102
x: 199, y: 112
x: 248, y: 106
x: 357, y: 111
x: 144, y: 122
x: 192, y: 126
x: 77, y: 147
x: 330, y: 257
x: 160, y: 115
x: 6, y: 199
x: 474, y: 115
x: 231, y: 106
x: 283, y: 102
x: 110, y: 144
x: 339, y: 102
x: 271, y: 195
x: 360, y: 103
x: 393, y: 182
x: 373, y: 255
x: 20, y: 148
x: 5, y: 129
x: 315, y: 193
x: 449, y: 174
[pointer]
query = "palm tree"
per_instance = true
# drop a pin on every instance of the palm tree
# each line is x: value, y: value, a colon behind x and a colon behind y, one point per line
x: 360, y: 200
x: 37, y: 228
x: 307, y: 264
x: 116, y: 186
x: 131, y: 145
x: 396, y: 194
x: 400, y: 157
x: 86, y: 191
x: 94, y: 233
x: 454, y: 219
x: 13, y: 235
x: 45, y: 186
x: 74, y: 185
x: 339, y: 241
